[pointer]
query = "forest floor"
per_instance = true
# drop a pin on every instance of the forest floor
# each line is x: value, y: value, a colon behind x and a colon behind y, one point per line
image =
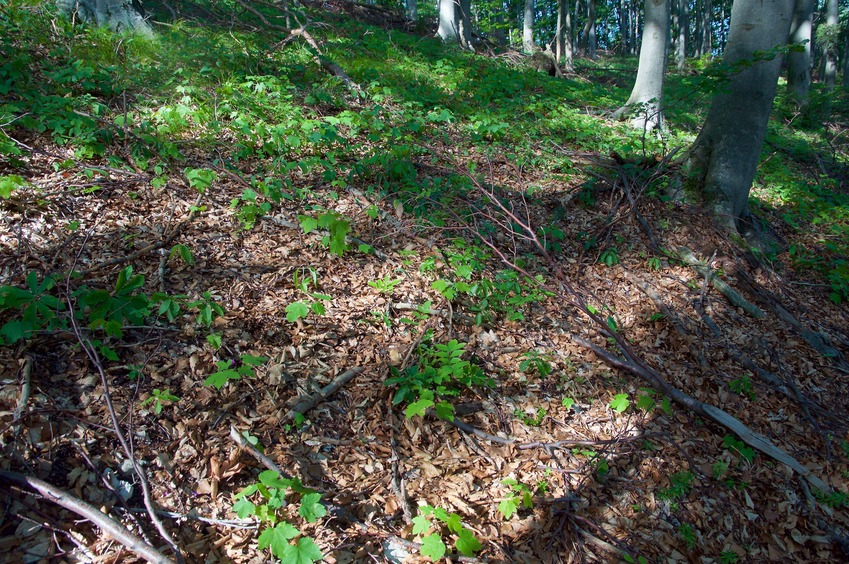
x: 603, y: 467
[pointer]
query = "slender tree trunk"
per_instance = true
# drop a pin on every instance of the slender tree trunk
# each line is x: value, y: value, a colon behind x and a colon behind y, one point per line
x: 723, y: 160
x: 683, y: 29
x: 830, y: 44
x: 648, y: 88
x: 799, y: 58
x: 499, y: 34
x: 528, y: 27
x: 707, y: 38
x: 462, y: 12
x: 412, y: 10
x: 589, y: 30
x: 563, y: 51
x: 846, y: 62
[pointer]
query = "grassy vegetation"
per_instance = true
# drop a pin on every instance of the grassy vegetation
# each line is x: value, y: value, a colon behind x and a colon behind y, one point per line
x: 252, y: 128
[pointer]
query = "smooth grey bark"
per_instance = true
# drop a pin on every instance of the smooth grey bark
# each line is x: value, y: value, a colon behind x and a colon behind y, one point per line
x: 799, y: 58
x: 829, y: 37
x: 722, y: 162
x: 412, y: 10
x: 447, y: 18
x: 563, y: 49
x: 683, y: 29
x: 528, y: 27
x: 117, y: 15
x: 648, y: 88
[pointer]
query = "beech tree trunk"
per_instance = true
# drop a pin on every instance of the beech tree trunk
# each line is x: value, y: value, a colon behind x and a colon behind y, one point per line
x: 799, y: 58
x: 117, y: 15
x: 683, y: 27
x: 563, y: 43
x: 589, y: 30
x: 528, y: 27
x: 645, y: 97
x: 447, y: 21
x: 723, y: 160
x: 412, y: 10
x: 829, y: 43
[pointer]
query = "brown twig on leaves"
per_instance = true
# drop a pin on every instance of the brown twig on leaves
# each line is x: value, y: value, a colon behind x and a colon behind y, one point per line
x: 92, y: 355
x: 305, y: 403
x: 90, y: 512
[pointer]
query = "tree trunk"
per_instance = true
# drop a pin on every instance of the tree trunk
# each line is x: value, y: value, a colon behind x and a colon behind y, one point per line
x: 462, y: 12
x: 564, y: 36
x: 683, y: 29
x: 412, y: 10
x: 722, y: 162
x: 447, y: 21
x: 648, y: 88
x: 589, y: 30
x: 117, y: 15
x: 846, y: 62
x: 528, y: 27
x: 829, y: 43
x: 799, y: 58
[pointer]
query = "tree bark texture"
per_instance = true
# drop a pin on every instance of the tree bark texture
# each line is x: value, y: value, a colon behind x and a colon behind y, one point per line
x: 722, y: 162
x: 646, y: 95
x: 447, y: 30
x: 528, y: 27
x: 117, y: 15
x: 829, y: 40
x: 799, y: 58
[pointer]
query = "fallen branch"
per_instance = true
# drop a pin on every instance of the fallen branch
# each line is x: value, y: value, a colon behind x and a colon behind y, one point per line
x: 90, y: 512
x: 718, y: 416
x: 687, y: 256
x: 306, y: 403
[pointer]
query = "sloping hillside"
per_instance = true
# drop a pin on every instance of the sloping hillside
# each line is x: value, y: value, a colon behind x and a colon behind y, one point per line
x: 446, y: 297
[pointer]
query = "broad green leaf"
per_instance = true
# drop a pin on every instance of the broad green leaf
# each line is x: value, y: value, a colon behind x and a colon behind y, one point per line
x: 453, y: 523
x: 467, y: 543
x: 277, y: 538
x: 568, y: 403
x: 645, y: 402
x: 308, y: 223
x: 508, y: 507
x: 296, y: 311
x: 433, y: 547
x: 10, y: 183
x: 220, y: 378
x: 418, y: 408
x: 305, y: 552
x: 311, y: 507
x: 420, y: 524
x: 619, y: 403
x: 272, y: 479
x: 244, y: 508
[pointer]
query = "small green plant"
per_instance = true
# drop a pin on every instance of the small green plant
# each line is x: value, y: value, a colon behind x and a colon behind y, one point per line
x: 538, y: 362
x: 745, y: 452
x: 639, y: 560
x: 440, y: 373
x: 719, y: 468
x: 157, y: 397
x: 835, y: 499
x: 336, y: 225
x: 315, y: 300
x: 253, y: 441
x: 743, y: 386
x: 230, y: 370
x: 384, y: 285
x: 200, y: 178
x: 531, y: 420
x: 520, y: 496
x: 620, y: 403
x: 10, y: 183
x: 609, y: 256
x: 680, y: 485
x: 728, y: 557
x: 440, y: 523
x: 271, y: 491
x: 688, y: 535
x: 654, y: 263
x: 39, y: 308
x: 567, y: 402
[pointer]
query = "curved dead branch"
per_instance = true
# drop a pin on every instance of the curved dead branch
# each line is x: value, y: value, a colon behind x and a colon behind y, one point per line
x: 90, y: 512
